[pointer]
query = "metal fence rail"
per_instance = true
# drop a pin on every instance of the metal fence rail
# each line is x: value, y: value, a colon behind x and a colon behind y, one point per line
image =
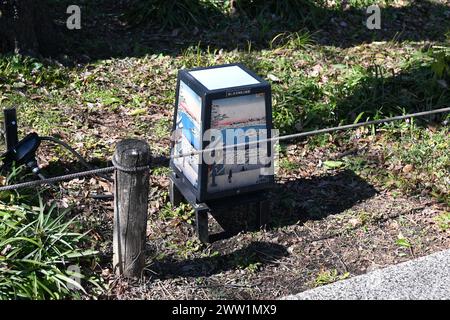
x: 319, y: 131
x: 115, y: 166
x: 52, y: 180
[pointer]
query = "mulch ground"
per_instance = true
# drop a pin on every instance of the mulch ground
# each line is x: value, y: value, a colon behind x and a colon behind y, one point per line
x: 326, y: 225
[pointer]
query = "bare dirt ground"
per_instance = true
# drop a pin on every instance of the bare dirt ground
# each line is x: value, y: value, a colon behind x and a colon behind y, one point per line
x: 335, y: 226
x: 327, y: 225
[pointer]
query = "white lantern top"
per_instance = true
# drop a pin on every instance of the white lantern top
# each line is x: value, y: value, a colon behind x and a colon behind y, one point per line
x: 223, y: 77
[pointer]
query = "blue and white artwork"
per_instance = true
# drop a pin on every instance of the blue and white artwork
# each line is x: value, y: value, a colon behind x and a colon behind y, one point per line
x: 189, y: 125
x: 241, y: 116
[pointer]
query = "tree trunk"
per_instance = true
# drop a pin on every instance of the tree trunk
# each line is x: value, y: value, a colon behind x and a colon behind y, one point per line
x: 27, y: 28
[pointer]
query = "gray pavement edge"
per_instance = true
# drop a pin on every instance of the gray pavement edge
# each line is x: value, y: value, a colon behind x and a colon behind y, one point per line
x: 424, y: 278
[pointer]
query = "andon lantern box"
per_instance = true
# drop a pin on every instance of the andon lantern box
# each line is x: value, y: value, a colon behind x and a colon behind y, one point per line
x: 235, y: 102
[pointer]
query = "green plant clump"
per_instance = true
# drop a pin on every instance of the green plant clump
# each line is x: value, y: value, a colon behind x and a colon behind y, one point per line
x: 41, y: 254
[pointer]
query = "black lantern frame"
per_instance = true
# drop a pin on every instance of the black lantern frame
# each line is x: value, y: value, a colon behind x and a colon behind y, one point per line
x: 201, y: 193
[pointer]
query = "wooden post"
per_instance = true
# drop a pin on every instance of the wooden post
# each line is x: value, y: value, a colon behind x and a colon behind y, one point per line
x: 130, y: 206
x: 175, y: 195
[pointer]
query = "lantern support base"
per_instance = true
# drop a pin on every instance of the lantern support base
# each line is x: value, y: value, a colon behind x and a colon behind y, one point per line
x: 176, y: 197
x: 178, y: 193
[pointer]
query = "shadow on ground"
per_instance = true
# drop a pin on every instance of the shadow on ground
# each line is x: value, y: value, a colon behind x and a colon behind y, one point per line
x: 298, y: 201
x: 254, y: 255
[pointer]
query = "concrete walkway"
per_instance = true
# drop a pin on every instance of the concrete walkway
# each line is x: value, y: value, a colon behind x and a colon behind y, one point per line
x: 425, y: 278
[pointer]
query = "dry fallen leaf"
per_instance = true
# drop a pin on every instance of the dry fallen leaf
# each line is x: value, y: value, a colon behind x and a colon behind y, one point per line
x: 354, y: 222
x: 316, y: 70
x: 408, y: 168
x: 273, y: 78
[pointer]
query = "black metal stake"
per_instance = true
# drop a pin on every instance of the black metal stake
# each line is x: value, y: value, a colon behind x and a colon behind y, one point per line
x: 10, y: 125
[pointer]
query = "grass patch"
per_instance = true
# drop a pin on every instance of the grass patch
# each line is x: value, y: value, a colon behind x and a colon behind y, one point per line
x: 185, y: 249
x: 420, y: 162
x: 288, y: 165
x: 172, y: 14
x: 443, y: 221
x: 21, y: 72
x: 162, y: 128
x: 250, y: 262
x: 183, y: 212
x: 219, y: 13
x: 315, y: 89
x: 329, y: 276
x: 403, y: 242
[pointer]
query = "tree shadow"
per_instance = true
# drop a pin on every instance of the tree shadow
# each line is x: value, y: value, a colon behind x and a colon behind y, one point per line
x: 296, y: 202
x: 251, y: 256
x: 109, y: 30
